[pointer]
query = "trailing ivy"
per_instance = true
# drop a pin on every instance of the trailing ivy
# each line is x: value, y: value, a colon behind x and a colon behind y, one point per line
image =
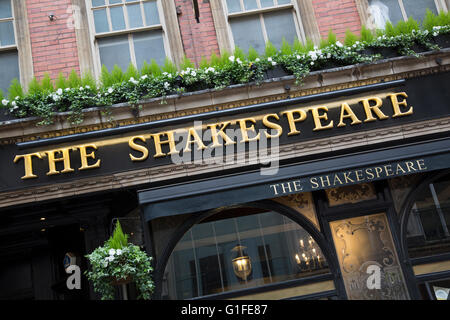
x: 74, y: 93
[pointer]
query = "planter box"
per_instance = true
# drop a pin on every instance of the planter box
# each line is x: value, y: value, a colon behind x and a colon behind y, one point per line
x: 276, y: 72
x: 443, y: 40
x: 5, y: 115
x: 384, y: 52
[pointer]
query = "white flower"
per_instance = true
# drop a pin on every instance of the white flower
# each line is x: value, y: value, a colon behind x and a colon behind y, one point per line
x: 144, y: 77
x: 118, y: 252
x: 166, y: 85
x: 110, y: 258
x: 312, y: 63
x: 340, y: 45
x: 298, y: 57
x: 81, y: 88
x: 17, y: 98
x: 239, y: 61
x: 274, y: 63
x: 14, y: 104
x: 112, y: 252
x: 87, y: 87
x: 59, y: 91
x: 67, y: 89
x: 231, y: 58
x: 55, y: 97
x: 133, y: 81
x: 257, y: 60
x: 269, y: 59
x: 5, y: 102
x: 193, y: 73
x: 210, y: 69
x: 110, y: 90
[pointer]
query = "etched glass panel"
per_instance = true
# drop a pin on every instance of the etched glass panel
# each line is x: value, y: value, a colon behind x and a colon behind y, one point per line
x: 368, y: 259
x: 350, y: 194
x: 9, y: 66
x: 279, y: 25
x: 247, y: 31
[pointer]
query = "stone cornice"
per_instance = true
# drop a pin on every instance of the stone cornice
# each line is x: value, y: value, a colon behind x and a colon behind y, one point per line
x: 235, y: 96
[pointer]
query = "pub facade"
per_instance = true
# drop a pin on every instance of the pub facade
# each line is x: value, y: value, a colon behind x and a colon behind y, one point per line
x: 335, y: 188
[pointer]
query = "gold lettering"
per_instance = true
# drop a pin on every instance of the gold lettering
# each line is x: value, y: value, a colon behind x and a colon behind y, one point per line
x: 410, y: 166
x: 297, y: 185
x: 290, y: 116
x: 215, y: 134
x: 376, y: 108
x: 421, y: 164
x: 327, y: 180
x: 399, y: 168
x: 397, y: 104
x: 193, y: 133
x: 347, y: 178
x: 52, y: 159
x: 275, y: 190
x: 170, y: 141
x: 378, y: 170
x: 318, y: 118
x: 28, y: 164
x: 272, y: 125
x: 133, y: 145
x: 388, y: 170
x: 245, y: 129
x: 359, y: 175
x: 369, y: 173
x: 84, y: 157
x: 314, y: 183
x: 287, y: 186
x: 347, y: 112
x: 336, y: 178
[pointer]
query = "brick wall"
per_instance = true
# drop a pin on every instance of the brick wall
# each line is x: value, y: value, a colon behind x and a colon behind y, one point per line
x: 53, y: 43
x: 199, y: 38
x: 338, y: 15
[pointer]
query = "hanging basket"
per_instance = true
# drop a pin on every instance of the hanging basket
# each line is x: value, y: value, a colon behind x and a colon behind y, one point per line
x: 121, y: 281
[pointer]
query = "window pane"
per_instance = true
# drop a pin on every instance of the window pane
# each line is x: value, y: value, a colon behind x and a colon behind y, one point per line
x: 101, y: 21
x: 151, y: 13
x: 114, y: 50
x: 9, y: 66
x: 98, y: 3
x: 134, y: 16
x: 382, y: 11
x: 267, y: 3
x: 5, y: 9
x: 284, y: 1
x: 417, y: 9
x: 247, y: 32
x: 6, y: 33
x: 148, y: 46
x: 240, y: 252
x: 280, y: 24
x: 117, y: 19
x: 250, y: 4
x: 233, y: 6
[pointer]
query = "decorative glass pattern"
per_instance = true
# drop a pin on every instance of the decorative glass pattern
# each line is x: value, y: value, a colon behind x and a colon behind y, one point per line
x: 368, y: 259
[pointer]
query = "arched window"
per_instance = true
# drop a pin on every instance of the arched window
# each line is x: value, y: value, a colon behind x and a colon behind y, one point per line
x: 428, y: 224
x: 240, y: 249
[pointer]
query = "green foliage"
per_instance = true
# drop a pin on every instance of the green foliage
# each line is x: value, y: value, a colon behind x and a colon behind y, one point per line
x: 332, y: 38
x: 2, y: 97
x: 204, y: 64
x: 252, y: 54
x: 430, y: 20
x: 15, y: 90
x: 34, y: 87
x: 350, y: 38
x: 169, y: 66
x: 186, y: 63
x: 406, y: 27
x: 214, y: 60
x: 154, y: 68
x: 270, y: 49
x: 286, y: 48
x: 117, y: 75
x: 298, y: 47
x: 443, y: 19
x: 118, y: 240
x: 106, y: 78
x: 239, y: 53
x: 74, y: 80
x: 61, y: 82
x: 89, y: 80
x: 119, y: 260
x: 132, y: 72
x: 47, y: 84
x: 390, y: 30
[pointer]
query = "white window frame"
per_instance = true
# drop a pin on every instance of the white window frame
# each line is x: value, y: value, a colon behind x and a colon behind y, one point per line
x: 127, y: 31
x: 15, y: 46
x: 260, y: 11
